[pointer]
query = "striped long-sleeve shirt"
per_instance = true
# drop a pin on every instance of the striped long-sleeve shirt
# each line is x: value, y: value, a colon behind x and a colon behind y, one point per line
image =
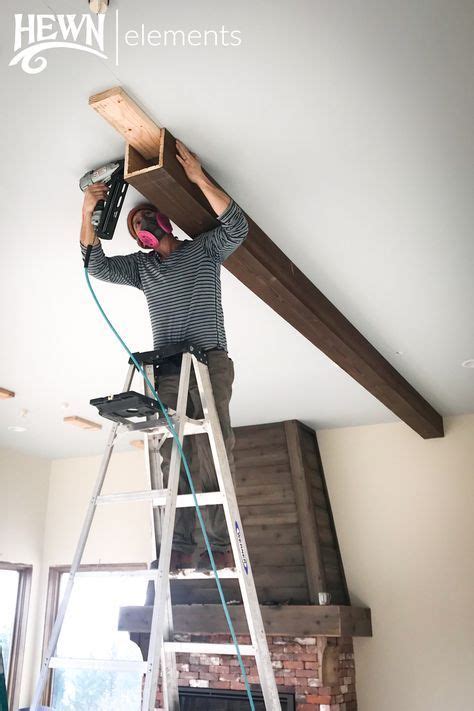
x: 183, y: 291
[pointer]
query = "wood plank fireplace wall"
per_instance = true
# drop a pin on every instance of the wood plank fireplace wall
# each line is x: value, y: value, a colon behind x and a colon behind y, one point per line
x: 288, y: 523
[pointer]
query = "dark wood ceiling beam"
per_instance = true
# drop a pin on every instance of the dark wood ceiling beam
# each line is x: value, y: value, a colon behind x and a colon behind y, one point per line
x: 261, y: 265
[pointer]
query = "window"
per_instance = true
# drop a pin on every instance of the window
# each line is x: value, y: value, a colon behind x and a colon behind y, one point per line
x: 15, y: 582
x: 9, y: 580
x: 90, y: 632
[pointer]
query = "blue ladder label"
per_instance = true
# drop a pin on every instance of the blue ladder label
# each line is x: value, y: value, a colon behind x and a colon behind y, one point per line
x: 242, y: 549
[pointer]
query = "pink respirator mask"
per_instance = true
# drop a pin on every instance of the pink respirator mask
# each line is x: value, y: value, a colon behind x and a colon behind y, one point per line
x: 152, y: 229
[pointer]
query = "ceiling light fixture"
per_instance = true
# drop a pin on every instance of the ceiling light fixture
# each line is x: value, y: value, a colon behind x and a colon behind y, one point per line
x: 17, y: 428
x: 6, y: 394
x: 82, y: 423
x: 468, y: 363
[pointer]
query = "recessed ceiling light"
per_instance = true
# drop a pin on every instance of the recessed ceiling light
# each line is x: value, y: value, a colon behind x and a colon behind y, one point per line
x: 6, y: 394
x: 468, y: 363
x: 82, y: 423
x: 17, y: 428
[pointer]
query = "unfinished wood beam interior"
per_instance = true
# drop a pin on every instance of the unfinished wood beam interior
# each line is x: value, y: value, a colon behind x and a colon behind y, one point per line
x: 129, y: 119
x: 151, y: 167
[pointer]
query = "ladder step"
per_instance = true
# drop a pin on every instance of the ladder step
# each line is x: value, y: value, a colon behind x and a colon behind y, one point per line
x: 123, y: 665
x: 194, y: 574
x: 191, y: 427
x: 210, y: 498
x: 184, y: 574
x: 126, y: 665
x: 247, y: 650
x: 159, y: 497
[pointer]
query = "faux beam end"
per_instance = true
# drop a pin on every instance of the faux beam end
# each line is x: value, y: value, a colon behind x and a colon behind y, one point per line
x: 123, y: 114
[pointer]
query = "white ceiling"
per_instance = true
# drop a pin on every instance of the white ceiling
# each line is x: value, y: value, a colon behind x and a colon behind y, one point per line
x: 344, y: 129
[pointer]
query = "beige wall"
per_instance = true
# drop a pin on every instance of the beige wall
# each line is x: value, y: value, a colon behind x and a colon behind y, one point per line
x: 121, y: 533
x: 24, y: 482
x: 404, y: 514
x: 403, y: 511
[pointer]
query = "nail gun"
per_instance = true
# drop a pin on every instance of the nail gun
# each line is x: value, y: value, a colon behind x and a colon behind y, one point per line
x: 106, y: 213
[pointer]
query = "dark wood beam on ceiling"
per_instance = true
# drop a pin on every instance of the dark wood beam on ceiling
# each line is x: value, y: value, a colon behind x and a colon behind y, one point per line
x: 151, y: 167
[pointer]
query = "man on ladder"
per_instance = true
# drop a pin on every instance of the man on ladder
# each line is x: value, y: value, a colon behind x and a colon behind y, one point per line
x: 182, y: 286
x: 181, y: 282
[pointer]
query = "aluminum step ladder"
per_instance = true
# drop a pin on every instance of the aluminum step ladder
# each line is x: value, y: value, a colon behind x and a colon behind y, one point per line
x: 132, y: 411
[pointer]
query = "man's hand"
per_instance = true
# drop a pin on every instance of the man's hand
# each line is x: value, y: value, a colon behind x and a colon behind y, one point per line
x: 217, y: 198
x: 190, y: 163
x: 92, y: 195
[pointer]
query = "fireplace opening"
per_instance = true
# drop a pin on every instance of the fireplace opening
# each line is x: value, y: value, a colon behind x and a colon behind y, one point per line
x: 193, y: 699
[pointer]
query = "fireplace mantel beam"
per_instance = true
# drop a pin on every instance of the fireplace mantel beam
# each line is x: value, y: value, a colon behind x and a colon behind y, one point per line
x: 287, y: 620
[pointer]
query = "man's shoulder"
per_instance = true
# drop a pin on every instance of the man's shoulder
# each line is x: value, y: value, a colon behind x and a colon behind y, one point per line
x: 146, y: 258
x: 193, y: 246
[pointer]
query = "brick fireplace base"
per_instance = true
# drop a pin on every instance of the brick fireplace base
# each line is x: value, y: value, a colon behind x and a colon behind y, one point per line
x: 319, y: 671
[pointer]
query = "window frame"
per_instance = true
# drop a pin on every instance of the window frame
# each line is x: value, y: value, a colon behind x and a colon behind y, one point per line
x: 52, y: 603
x: 17, y: 652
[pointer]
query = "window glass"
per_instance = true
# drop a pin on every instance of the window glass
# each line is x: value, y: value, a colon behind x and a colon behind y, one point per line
x: 9, y: 580
x: 90, y: 632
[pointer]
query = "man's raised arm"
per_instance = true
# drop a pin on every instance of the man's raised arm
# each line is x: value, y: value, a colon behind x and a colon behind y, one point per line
x: 217, y: 198
x: 223, y: 240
